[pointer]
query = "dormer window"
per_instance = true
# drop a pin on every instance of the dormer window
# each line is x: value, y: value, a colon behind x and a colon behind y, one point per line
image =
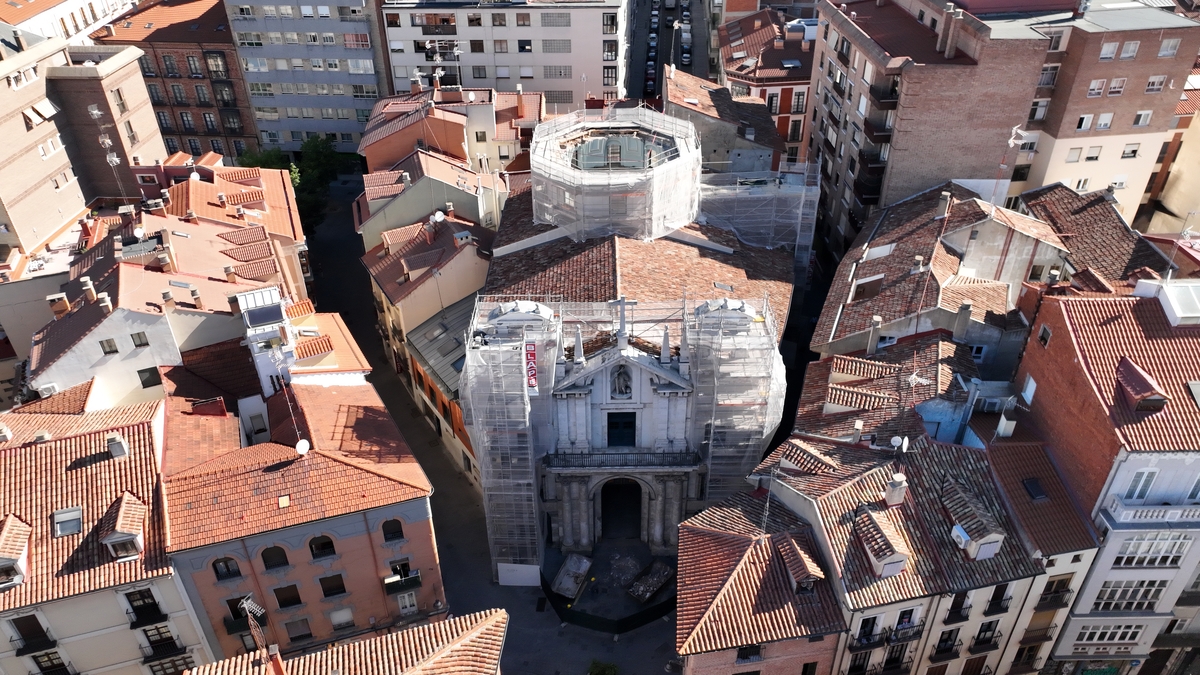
x: 975, y: 530
x: 865, y: 289
x: 122, y: 527
x: 886, y: 549
x: 1140, y: 389
x: 14, y: 550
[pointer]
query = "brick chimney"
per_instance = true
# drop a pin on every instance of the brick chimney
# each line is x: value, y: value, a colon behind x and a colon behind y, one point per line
x: 233, y: 305
x: 962, y: 320
x: 109, y: 30
x: 276, y: 661
x: 89, y: 290
x: 943, y: 205
x: 449, y: 209
x: 19, y: 38
x: 229, y: 274
x: 520, y: 102
x: 414, y: 85
x: 59, y: 305
x: 105, y: 303
x: 954, y: 28
x: 168, y: 299
x: 196, y: 300
x: 873, y: 335
x: 430, y: 230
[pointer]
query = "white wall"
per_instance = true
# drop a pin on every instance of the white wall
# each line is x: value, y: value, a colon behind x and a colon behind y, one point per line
x: 81, y: 17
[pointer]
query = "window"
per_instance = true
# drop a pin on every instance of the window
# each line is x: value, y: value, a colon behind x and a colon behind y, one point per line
x: 393, y: 530
x: 1142, y: 118
x: 1129, y: 50
x: 202, y: 94
x: 1096, y: 88
x: 527, y: 72
x: 499, y: 19
x: 524, y: 46
x: 109, y: 346
x: 261, y: 89
x: 364, y: 91
x: 1104, y: 121
x: 1108, y: 51
x: 226, y: 568
x: 1168, y: 48
x: 1029, y: 389
x: 408, y: 602
x: 867, y: 288
x: 1130, y: 151
x: 1037, y: 111
x: 321, y: 547
x: 798, y: 102
x: 150, y: 377
x: 978, y: 352
x: 1044, y: 333
x: 1021, y: 172
x: 249, y: 39
x: 185, y: 118
x: 476, y: 46
x: 1081, y: 185
x: 173, y: 145
x: 610, y: 50
x: 1117, y: 86
x: 1074, y: 154
x: 1049, y: 75
x: 1056, y: 36
x: 298, y: 630
x: 609, y: 22
x: 352, y: 40
x: 1155, y: 84
x: 288, y: 596
x: 502, y: 72
x: 522, y: 19
x: 1140, y: 484
x: 360, y: 66
x: 479, y: 72
x: 332, y: 585
x: 1115, y: 633
x: 749, y: 654
x: 139, y: 339
x: 1093, y: 154
x: 556, y: 72
x: 342, y: 618
x: 1084, y: 123
x: 273, y: 557
x: 1153, y: 549
x: 323, y: 11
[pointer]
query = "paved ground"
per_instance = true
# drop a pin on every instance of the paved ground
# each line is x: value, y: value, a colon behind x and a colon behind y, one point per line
x: 537, y: 644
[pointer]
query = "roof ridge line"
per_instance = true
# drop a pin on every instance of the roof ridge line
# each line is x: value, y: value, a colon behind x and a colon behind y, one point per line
x: 342, y: 460
x: 480, y: 625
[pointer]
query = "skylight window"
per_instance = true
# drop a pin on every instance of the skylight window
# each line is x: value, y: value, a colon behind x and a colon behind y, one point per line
x: 264, y: 316
x: 68, y: 522
x: 1034, y: 487
x: 878, y: 251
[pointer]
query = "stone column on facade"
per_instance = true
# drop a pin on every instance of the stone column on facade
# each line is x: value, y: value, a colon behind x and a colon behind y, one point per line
x: 673, y: 515
x: 584, y: 515
x: 563, y: 413
x: 568, y: 524
x: 656, y: 515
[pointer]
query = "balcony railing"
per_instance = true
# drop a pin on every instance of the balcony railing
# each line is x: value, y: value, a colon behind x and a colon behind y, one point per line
x: 227, y: 102
x: 218, y: 74
x: 606, y: 460
x: 241, y: 624
x: 886, y: 668
x: 844, y: 57
x: 1026, y: 665
x: 840, y: 89
x: 906, y: 633
x: 997, y: 607
x: 1054, y: 600
x: 867, y: 188
x: 145, y: 615
x: 65, y: 669
x: 398, y: 584
x: 877, y: 132
x: 158, y: 651
x: 871, y: 161
x: 944, y: 652
x: 1132, y: 513
x: 958, y: 615
x: 870, y: 641
x: 1177, y: 641
x: 885, y: 97
x: 1036, y: 635
x: 34, y: 643
x: 828, y: 144
x: 986, y: 642
x: 1188, y: 599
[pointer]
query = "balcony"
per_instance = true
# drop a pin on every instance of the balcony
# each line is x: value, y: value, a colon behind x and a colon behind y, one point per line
x: 145, y: 615
x: 241, y: 624
x: 1176, y: 641
x: 158, y: 651
x: 227, y: 103
x: 868, y: 188
x: 609, y: 460
x: 986, y: 642
x: 906, y: 633
x: 204, y: 104
x: 840, y: 89
x: 885, y: 97
x: 157, y: 100
x: 886, y: 668
x: 218, y: 74
x: 180, y: 101
x: 864, y: 642
x: 31, y: 644
x: 1036, y: 635
x: 940, y: 653
x: 876, y: 132
x: 353, y: 17
x: 166, y: 128
x: 871, y: 162
x: 995, y: 607
x: 1054, y: 600
x: 1148, y: 515
x: 58, y: 670
x: 398, y: 584
x: 1024, y: 666
x: 1188, y: 599
x: 440, y: 30
x: 828, y: 145
x: 958, y: 615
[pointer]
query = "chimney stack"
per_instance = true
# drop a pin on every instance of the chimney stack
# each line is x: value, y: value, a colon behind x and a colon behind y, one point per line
x: 779, y: 43
x: 118, y: 245
x: 165, y: 195
x: 221, y: 198
x: 943, y: 205
x: 89, y: 290
x: 110, y: 31
x: 430, y: 230
x: 873, y: 335
x: 168, y: 299
x: 520, y: 102
x: 944, y: 24
x: 105, y: 303
x: 749, y: 133
x: 858, y: 429
x: 1006, y: 427
x: 190, y: 216
x: 229, y: 274
x: 1053, y: 277
x: 962, y: 321
x: 918, y: 264
x: 59, y: 305
x: 19, y: 38
x: 276, y: 661
x: 196, y: 299
x: 414, y: 85
x: 897, y: 488
x: 953, y: 29
x: 449, y: 209
x: 164, y: 261
x: 407, y: 179
x: 233, y: 305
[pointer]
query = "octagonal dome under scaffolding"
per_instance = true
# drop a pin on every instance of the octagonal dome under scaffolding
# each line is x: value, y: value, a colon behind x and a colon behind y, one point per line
x: 627, y: 171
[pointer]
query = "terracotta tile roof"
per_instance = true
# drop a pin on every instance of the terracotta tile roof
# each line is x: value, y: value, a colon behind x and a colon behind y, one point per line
x: 334, y: 349
x: 276, y: 211
x: 464, y: 645
x: 707, y: 98
x: 1094, y: 231
x: 734, y: 587
x: 1087, y: 279
x: 989, y: 299
x: 14, y: 537
x: 197, y: 429
x: 240, y: 175
x: 250, y: 252
x: 300, y: 309
x: 601, y: 269
x: 933, y: 357
x: 190, y: 21
x: 128, y: 516
x: 749, y: 54
x: 74, y: 469
x: 1107, y: 333
x: 383, y: 184
x: 24, y: 11
x: 258, y: 270
x: 878, y: 533
x: 921, y: 524
x: 227, y: 365
x: 411, y: 251
x: 900, y: 34
x: 245, y: 235
x: 1189, y: 102
x: 312, y: 347
x: 379, y: 128
x: 71, y: 401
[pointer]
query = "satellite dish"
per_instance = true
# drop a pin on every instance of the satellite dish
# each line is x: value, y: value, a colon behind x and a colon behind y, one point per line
x: 439, y: 216
x: 139, y: 233
x: 904, y: 445
x: 194, y: 176
x: 302, y: 447
x: 896, y: 441
x: 471, y: 96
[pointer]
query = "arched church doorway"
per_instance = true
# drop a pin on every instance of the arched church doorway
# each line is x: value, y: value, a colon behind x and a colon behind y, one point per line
x: 621, y: 509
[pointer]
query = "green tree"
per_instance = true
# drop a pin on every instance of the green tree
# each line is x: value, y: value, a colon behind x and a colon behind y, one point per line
x: 598, y: 668
x: 271, y: 158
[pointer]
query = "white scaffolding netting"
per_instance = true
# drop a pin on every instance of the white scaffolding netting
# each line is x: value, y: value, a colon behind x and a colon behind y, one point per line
x: 764, y: 209
x: 627, y: 171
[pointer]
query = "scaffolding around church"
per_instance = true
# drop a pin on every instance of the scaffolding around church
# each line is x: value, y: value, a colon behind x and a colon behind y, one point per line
x: 730, y: 348
x: 626, y: 171
x: 765, y: 209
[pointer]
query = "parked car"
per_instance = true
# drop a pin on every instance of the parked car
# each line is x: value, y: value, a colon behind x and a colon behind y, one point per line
x: 654, y: 24
x: 651, y: 89
x: 653, y: 40
x: 686, y: 17
x: 653, y: 13
x: 651, y: 68
x: 655, y: 3
x: 686, y: 58
x: 652, y: 55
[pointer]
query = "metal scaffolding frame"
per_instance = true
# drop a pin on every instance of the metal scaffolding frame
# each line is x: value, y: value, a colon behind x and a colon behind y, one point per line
x: 765, y: 209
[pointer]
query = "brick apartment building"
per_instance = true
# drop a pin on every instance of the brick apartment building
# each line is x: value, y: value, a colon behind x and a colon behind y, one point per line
x: 192, y: 74
x: 767, y: 56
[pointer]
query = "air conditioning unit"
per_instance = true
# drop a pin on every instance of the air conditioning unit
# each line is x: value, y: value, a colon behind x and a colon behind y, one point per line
x: 960, y: 536
x: 993, y: 405
x: 47, y: 390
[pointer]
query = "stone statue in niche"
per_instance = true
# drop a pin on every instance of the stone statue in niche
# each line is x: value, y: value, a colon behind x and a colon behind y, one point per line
x: 622, y: 382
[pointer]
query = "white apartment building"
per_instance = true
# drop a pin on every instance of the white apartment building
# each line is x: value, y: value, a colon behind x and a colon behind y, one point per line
x: 568, y: 51
x: 74, y: 20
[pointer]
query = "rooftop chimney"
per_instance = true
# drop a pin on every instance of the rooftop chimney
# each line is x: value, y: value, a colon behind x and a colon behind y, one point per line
x: 165, y: 195
x: 105, y: 303
x: 918, y: 264
x: 520, y: 102
x: 449, y: 209
x: 406, y: 179
x: 109, y: 30
x: 779, y: 43
x: 164, y: 261
x: 430, y: 230
x: 89, y: 290
x: 1006, y: 427
x: 962, y: 321
x: 221, y: 198
x: 749, y: 133
x: 190, y: 216
x: 168, y: 299
x: 199, y: 303
x: 944, y: 23
x: 858, y: 429
x: 229, y: 274
x: 5, y: 433
x: 414, y: 85
x: 19, y: 38
x: 233, y: 305
x: 897, y: 487
x: 953, y: 29
x: 59, y: 305
x: 277, y: 665
x: 118, y: 245
x: 758, y: 20
x: 943, y: 205
x: 873, y: 335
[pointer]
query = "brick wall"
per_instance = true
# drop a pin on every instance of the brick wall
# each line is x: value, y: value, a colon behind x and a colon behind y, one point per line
x: 786, y: 657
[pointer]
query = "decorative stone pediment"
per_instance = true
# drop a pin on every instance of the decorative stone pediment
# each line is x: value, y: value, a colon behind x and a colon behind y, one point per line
x: 615, y: 371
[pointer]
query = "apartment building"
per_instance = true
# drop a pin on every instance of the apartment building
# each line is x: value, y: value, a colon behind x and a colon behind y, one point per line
x: 310, y: 70
x: 192, y: 76
x: 1172, y: 189
x: 1105, y: 100
x: 85, y: 583
x: 569, y: 51
x: 1108, y: 383
x: 892, y: 85
x: 737, y: 133
x: 483, y: 128
x: 769, y: 56
x: 72, y: 20
x: 933, y: 566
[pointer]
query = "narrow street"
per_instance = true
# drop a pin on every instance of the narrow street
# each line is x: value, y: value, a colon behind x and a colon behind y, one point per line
x: 536, y: 643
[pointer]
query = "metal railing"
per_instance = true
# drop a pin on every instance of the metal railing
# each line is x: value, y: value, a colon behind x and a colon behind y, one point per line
x: 157, y: 651
x: 945, y: 651
x: 241, y: 624
x: 877, y: 132
x: 885, y: 97
x: 997, y: 607
x: 958, y: 615
x: 870, y: 641
x: 906, y: 633
x: 145, y: 615
x: 1054, y: 600
x: 1033, y: 635
x: 1025, y: 665
x: 619, y: 459
x: 892, y: 669
x: 985, y: 642
x: 408, y: 583
x: 34, y: 643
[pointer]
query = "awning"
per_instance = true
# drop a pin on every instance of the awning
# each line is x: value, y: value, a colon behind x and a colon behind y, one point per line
x: 45, y: 108
x: 32, y: 118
